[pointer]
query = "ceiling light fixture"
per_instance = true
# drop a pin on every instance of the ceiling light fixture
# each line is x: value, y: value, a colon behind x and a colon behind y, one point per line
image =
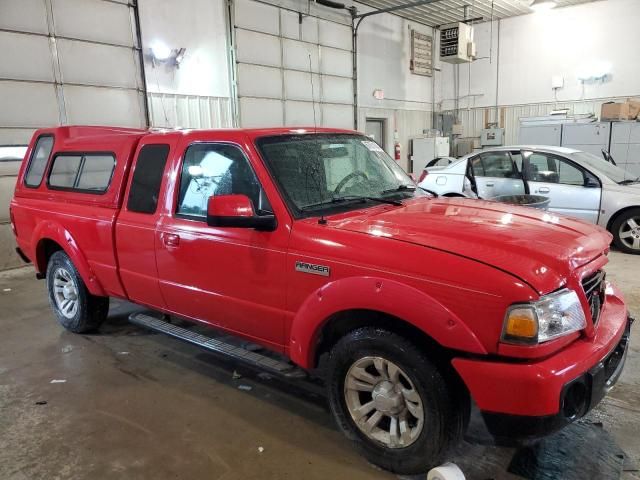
x: 542, y: 5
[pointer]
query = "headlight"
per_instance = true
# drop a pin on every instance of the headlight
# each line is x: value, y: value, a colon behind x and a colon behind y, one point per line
x: 549, y: 317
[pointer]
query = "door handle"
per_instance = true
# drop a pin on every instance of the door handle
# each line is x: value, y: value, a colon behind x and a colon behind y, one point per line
x: 543, y: 190
x: 170, y: 239
x: 490, y: 184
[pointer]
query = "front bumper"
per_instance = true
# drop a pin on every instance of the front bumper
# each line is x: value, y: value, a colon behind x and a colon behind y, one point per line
x: 521, y: 400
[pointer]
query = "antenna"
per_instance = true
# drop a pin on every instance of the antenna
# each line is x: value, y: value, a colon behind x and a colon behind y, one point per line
x: 313, y: 96
x: 321, y: 220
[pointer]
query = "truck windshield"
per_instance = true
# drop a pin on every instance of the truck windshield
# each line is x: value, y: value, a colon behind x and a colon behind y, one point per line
x: 317, y: 172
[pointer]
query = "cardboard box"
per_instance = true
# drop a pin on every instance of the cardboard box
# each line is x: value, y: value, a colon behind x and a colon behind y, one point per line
x: 614, y: 111
x: 628, y: 110
x: 634, y: 108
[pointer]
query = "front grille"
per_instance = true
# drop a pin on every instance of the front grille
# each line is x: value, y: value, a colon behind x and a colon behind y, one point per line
x: 593, y: 286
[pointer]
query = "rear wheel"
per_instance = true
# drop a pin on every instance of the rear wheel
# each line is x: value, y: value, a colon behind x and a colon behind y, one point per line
x: 392, y: 402
x: 75, y: 308
x: 626, y: 231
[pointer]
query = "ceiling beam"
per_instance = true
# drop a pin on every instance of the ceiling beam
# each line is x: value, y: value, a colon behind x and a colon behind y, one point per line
x: 395, y: 8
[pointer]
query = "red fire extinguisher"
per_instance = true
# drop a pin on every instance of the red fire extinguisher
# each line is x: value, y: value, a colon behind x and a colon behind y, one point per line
x: 396, y: 149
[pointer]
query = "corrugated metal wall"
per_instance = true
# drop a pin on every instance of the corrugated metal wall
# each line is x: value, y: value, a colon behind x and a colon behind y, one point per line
x: 189, y: 111
x: 474, y: 120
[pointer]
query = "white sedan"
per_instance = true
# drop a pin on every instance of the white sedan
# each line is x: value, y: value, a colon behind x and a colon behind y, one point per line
x: 577, y: 183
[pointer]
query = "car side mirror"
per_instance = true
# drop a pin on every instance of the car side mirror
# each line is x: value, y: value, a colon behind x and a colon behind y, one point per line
x: 237, y: 211
x: 591, y: 182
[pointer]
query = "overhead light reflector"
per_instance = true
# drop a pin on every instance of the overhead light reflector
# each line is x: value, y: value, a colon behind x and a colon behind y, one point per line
x: 542, y: 5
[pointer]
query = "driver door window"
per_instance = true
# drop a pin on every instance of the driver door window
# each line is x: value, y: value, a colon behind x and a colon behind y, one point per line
x: 216, y: 169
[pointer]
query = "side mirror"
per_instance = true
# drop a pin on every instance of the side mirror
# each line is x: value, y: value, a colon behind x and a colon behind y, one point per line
x: 591, y: 182
x: 237, y: 211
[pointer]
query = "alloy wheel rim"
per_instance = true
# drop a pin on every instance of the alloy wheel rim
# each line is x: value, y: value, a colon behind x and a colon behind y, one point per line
x: 65, y: 293
x: 629, y: 233
x: 383, y: 402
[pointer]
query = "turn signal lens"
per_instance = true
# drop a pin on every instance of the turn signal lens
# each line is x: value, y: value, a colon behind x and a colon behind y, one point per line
x: 423, y: 175
x: 521, y: 324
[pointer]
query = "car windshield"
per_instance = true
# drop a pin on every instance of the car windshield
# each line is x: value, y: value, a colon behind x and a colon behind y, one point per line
x: 614, y: 173
x: 316, y: 172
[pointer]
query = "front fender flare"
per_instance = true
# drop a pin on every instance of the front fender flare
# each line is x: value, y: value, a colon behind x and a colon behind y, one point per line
x: 50, y: 230
x: 381, y: 295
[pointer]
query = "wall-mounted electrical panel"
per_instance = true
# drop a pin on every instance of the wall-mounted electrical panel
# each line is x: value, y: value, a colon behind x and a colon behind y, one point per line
x: 456, y: 43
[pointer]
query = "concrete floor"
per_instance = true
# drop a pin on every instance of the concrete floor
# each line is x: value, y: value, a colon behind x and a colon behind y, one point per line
x: 134, y: 404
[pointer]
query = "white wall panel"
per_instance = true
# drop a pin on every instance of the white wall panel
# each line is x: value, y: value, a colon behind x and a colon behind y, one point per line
x: 28, y: 104
x: 93, y: 20
x: 103, y: 106
x: 296, y: 56
x: 258, y: 112
x: 336, y: 62
x: 87, y: 63
x: 257, y: 16
x: 310, y: 44
x: 335, y: 35
x: 337, y: 90
x: 297, y: 86
x: 256, y: 81
x: 258, y: 48
x: 301, y: 114
x: 189, y: 111
x: 339, y: 116
x: 23, y: 15
x: 25, y: 57
x: 15, y: 136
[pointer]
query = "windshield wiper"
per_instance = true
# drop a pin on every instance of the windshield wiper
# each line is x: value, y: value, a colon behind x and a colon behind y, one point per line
x: 351, y: 198
x: 629, y: 181
x: 399, y: 188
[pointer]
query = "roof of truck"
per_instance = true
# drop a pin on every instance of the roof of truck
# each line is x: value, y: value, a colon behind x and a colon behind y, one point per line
x: 76, y: 132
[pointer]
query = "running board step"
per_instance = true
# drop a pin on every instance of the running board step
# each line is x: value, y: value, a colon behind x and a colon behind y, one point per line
x: 272, y: 365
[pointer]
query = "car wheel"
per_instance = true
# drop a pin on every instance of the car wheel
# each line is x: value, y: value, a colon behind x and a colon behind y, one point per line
x: 392, y: 402
x: 75, y: 308
x: 626, y: 231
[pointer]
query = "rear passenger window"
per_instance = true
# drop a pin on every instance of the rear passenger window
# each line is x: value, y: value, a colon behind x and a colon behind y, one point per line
x: 147, y: 177
x: 84, y: 172
x: 38, y: 161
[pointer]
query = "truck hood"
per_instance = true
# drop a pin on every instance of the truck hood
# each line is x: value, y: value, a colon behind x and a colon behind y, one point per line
x: 538, y: 247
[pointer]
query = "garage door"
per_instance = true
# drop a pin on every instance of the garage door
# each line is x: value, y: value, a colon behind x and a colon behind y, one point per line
x: 287, y: 64
x: 68, y: 62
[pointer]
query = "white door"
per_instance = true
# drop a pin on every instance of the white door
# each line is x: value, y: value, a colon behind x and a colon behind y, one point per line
x: 293, y: 69
x: 572, y: 190
x: 68, y: 62
x: 496, y: 174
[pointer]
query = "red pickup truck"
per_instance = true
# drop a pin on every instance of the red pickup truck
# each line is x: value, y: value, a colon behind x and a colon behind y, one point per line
x: 314, y: 244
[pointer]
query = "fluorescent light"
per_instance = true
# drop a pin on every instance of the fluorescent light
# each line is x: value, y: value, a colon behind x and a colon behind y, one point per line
x: 160, y: 50
x: 542, y: 5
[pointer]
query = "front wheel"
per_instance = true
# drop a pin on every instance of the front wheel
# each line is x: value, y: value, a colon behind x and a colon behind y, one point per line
x: 75, y: 308
x: 392, y: 402
x: 626, y: 231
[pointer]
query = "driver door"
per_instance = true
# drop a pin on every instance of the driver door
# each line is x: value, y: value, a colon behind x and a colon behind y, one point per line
x: 233, y: 278
x: 572, y: 190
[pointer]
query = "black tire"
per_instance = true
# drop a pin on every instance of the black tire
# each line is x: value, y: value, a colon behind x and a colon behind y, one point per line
x: 620, y: 226
x: 444, y: 410
x: 90, y: 311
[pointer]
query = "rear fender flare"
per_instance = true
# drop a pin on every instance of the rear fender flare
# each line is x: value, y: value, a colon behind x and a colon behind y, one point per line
x: 381, y: 295
x: 54, y: 231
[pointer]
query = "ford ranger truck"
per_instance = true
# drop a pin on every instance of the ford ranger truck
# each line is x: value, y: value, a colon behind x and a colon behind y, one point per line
x: 316, y: 245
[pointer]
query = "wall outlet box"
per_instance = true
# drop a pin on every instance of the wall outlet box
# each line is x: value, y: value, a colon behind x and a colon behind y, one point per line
x: 557, y: 81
